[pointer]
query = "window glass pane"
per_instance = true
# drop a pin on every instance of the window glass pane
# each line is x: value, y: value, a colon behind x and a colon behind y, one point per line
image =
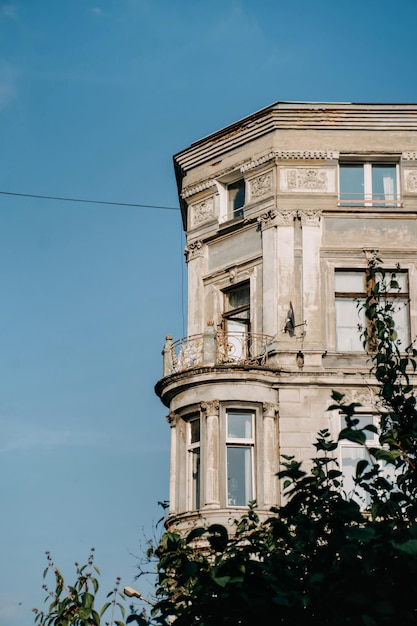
x: 194, y: 431
x: 384, y: 182
x: 240, y: 296
x: 351, y: 455
x: 236, y: 197
x: 400, y: 318
x: 351, y: 182
x: 347, y: 320
x: 240, y: 425
x: 195, y: 478
x: 239, y: 476
x: 349, y: 282
x: 401, y: 279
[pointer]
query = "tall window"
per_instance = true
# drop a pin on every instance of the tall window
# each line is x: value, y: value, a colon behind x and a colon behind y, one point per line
x: 368, y: 184
x: 194, y: 469
x: 239, y: 450
x: 237, y: 322
x: 236, y: 198
x: 350, y: 288
x: 350, y: 455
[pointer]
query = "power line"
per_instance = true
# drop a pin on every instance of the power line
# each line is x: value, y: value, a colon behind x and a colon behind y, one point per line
x: 62, y: 199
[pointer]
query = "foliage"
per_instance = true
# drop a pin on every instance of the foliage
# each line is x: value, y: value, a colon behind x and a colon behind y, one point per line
x: 319, y: 559
x: 74, y: 605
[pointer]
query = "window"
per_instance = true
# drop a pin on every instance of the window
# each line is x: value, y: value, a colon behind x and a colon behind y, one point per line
x: 194, y: 468
x: 350, y: 288
x: 350, y: 455
x: 236, y: 322
x: 236, y: 198
x: 368, y: 184
x: 239, y: 453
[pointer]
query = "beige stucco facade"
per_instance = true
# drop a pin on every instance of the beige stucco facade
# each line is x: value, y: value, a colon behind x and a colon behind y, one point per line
x: 306, y: 225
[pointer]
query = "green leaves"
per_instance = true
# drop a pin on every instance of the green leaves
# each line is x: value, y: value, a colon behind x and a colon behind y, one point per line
x: 74, y: 605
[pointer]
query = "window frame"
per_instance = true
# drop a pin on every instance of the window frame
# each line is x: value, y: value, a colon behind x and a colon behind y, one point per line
x: 242, y: 443
x: 368, y: 197
x: 234, y: 190
x: 355, y: 296
x: 193, y: 452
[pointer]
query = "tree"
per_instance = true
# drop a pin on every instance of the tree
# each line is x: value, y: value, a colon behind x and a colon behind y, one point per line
x: 319, y: 559
x: 74, y: 605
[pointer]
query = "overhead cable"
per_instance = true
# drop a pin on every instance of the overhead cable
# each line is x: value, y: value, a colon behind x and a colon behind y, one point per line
x: 109, y: 202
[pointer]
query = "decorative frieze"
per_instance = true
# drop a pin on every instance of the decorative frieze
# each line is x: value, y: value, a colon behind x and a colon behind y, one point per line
x: 260, y: 186
x: 194, y: 250
x: 202, y: 212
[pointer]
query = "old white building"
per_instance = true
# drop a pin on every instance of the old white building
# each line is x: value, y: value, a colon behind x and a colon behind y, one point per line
x: 281, y: 212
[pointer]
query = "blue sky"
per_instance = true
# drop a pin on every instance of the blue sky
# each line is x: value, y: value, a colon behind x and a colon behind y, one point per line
x: 95, y: 98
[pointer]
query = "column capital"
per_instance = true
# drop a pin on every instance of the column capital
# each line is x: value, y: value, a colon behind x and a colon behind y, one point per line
x: 172, y: 418
x: 270, y: 409
x: 310, y: 217
x: 194, y: 250
x: 211, y: 407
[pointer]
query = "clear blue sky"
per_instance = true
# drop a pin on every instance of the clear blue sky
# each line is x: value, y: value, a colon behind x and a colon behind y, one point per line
x: 95, y: 98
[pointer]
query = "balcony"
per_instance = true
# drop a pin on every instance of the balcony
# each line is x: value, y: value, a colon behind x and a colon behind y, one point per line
x: 213, y: 348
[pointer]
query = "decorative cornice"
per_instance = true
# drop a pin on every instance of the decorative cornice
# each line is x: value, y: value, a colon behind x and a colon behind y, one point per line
x: 192, y: 190
x: 409, y: 156
x: 306, y: 154
x: 210, y: 407
x: 254, y: 163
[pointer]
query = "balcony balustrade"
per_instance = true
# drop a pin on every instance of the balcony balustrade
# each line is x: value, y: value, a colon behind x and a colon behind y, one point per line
x: 213, y: 348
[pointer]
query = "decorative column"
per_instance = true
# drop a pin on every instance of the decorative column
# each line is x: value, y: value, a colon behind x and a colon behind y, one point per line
x: 195, y: 254
x: 172, y: 419
x: 311, y: 282
x: 270, y: 454
x: 286, y: 287
x: 269, y: 273
x: 210, y: 461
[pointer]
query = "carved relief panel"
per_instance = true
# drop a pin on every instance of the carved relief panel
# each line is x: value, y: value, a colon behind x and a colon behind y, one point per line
x: 307, y: 179
x: 410, y: 180
x: 202, y: 212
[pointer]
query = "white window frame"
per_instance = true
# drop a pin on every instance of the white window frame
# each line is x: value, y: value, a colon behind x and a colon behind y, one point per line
x: 245, y: 443
x: 371, y: 441
x: 194, y: 484
x: 367, y: 198
x: 225, y: 215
